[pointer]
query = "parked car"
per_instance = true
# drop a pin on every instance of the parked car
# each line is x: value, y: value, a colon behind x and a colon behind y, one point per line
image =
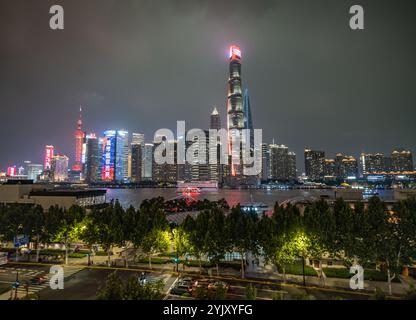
x: 180, y: 289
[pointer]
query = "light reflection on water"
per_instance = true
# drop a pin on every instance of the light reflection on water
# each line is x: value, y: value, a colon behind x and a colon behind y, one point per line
x: 134, y: 197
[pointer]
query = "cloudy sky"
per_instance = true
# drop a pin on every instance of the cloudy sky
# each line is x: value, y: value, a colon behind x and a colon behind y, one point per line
x: 142, y: 65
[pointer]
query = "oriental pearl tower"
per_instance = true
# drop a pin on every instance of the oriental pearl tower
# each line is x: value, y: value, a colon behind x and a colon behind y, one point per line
x: 79, y: 140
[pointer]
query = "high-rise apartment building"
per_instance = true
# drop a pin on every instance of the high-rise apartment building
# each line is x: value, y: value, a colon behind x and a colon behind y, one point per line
x: 314, y: 164
x: 371, y: 163
x: 282, y: 163
x: 402, y: 160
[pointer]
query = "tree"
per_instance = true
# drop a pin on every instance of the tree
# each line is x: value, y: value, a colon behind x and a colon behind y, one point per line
x: 217, y: 243
x: 243, y: 233
x: 105, y: 227
x: 318, y: 234
x: 180, y: 242
x: 386, y: 241
x: 277, y: 233
x: 13, y: 222
x: 196, y: 230
x: 113, y: 288
x: 155, y: 233
x: 35, y: 227
x: 70, y: 226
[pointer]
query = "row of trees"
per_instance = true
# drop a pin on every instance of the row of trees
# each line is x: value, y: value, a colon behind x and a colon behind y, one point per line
x: 359, y: 234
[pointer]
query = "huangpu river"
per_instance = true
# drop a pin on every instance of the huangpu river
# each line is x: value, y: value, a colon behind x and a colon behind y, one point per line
x: 135, y: 197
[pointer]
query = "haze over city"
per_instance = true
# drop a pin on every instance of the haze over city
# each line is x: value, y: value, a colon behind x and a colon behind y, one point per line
x: 142, y: 65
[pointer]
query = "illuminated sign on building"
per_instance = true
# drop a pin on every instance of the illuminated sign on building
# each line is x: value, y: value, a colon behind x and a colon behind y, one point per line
x: 49, y: 153
x: 109, y: 155
x: 84, y: 153
x: 11, y: 171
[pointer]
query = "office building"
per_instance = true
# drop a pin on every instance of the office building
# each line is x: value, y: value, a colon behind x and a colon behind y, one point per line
x: 147, y: 162
x: 93, y: 159
x: 34, y: 171
x: 136, y: 163
x: 115, y: 156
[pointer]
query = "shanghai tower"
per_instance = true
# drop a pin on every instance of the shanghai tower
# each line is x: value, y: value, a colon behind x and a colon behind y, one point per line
x: 235, y: 113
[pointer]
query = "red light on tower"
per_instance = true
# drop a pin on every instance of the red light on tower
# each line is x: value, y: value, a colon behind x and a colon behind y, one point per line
x: 235, y: 52
x: 79, y: 141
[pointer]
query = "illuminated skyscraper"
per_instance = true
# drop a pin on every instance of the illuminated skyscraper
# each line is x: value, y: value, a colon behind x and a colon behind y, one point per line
x: 59, y: 168
x: 49, y: 153
x: 235, y: 114
x: 147, y: 161
x: 93, y: 158
x: 115, y: 156
x: 136, y: 162
x: 215, y: 120
x: 137, y: 138
x: 34, y: 171
x: 215, y: 170
x: 79, y: 136
x: 248, y: 121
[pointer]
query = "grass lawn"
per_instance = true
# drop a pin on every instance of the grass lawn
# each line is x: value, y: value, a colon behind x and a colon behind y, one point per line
x: 296, y: 269
x: 369, y: 274
x: 155, y: 260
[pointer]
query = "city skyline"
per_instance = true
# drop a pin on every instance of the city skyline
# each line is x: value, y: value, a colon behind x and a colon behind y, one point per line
x: 294, y: 105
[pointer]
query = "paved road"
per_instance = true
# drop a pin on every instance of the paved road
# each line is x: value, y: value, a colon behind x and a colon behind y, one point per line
x: 85, y: 284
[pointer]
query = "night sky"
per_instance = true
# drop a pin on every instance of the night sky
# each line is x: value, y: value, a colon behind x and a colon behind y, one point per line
x: 142, y: 65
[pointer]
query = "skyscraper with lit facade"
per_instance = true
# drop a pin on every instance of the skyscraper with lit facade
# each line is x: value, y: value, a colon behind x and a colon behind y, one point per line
x: 49, y: 153
x: 59, y: 168
x: 235, y: 113
x: 147, y: 162
x: 215, y: 170
x: 93, y: 159
x: 115, y: 156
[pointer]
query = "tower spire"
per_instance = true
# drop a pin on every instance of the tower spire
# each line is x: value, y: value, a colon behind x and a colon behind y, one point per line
x: 79, y: 123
